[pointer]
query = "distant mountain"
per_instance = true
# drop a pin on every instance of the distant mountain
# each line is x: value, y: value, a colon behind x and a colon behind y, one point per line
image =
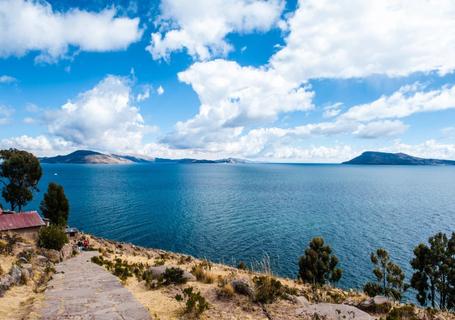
x: 93, y: 157
x: 383, y: 158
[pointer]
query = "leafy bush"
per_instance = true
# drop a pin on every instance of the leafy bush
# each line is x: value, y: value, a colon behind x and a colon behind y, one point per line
x: 242, y: 266
x: 267, y: 289
x: 173, y: 276
x: 52, y: 237
x: 401, y: 313
x: 195, y: 303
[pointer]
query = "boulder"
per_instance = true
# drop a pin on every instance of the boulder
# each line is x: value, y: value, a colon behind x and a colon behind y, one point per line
x: 41, y: 260
x: 159, y: 270
x: 378, y: 304
x: 66, y: 252
x: 16, y: 274
x: 242, y: 287
x: 52, y: 255
x: 331, y: 311
x: 5, y: 283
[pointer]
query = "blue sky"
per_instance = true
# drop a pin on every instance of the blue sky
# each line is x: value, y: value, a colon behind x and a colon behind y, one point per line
x: 288, y: 81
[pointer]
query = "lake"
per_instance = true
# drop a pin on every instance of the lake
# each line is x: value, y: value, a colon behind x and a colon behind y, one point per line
x: 229, y: 213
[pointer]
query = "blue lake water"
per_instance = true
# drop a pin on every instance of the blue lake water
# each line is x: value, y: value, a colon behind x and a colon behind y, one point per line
x: 229, y: 213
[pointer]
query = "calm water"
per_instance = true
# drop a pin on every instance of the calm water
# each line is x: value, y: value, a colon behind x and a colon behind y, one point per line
x: 242, y: 212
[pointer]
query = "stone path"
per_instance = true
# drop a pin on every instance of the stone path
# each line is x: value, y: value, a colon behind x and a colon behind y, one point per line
x: 82, y: 290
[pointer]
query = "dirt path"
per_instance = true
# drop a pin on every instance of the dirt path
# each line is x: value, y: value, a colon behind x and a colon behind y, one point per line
x: 83, y: 290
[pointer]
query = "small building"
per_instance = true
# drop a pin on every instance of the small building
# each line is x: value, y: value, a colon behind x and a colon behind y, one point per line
x: 71, y: 232
x: 25, y: 224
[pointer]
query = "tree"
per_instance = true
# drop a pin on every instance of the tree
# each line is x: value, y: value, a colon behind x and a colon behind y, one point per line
x: 20, y: 172
x: 318, y: 265
x: 52, y: 237
x: 434, y: 276
x: 55, y: 205
x: 389, y: 277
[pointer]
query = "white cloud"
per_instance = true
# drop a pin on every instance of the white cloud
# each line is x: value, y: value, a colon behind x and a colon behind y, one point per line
x: 102, y: 118
x: 375, y: 129
x: 200, y: 26
x: 427, y: 149
x: 403, y: 103
x: 5, y: 114
x: 160, y: 90
x: 145, y: 93
x: 357, y: 38
x: 29, y: 120
x: 7, y: 79
x: 332, y: 110
x: 35, y: 26
x: 232, y: 97
x: 40, y: 145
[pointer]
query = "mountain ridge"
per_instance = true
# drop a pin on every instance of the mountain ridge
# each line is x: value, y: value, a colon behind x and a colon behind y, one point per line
x: 94, y: 157
x: 385, y: 158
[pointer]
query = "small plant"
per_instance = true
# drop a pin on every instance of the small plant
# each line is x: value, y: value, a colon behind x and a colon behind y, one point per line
x: 52, y: 237
x: 97, y: 260
x: 226, y: 291
x: 199, y: 271
x: 267, y: 289
x: 159, y: 262
x: 185, y: 259
x: 195, y: 303
x: 242, y: 266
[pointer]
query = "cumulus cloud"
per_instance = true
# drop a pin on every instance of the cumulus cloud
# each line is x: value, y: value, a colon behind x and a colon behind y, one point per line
x: 201, y: 26
x: 232, y: 97
x: 428, y: 149
x: 160, y: 90
x: 35, y: 26
x: 7, y: 79
x: 406, y: 101
x: 103, y: 118
x: 40, y: 145
x: 332, y: 110
x: 357, y: 38
x: 377, y: 129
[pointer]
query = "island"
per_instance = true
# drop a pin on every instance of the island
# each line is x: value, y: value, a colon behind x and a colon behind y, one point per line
x: 384, y: 158
x: 94, y: 157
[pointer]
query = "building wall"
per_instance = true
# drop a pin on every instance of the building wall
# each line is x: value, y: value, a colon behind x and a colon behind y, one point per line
x: 27, y: 233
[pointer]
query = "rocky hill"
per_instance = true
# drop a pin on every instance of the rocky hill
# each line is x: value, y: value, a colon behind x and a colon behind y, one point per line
x: 384, y: 158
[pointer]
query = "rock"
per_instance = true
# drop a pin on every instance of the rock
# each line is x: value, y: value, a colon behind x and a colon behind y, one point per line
x: 16, y: 274
x: 41, y: 260
x: 331, y: 311
x: 25, y: 276
x: 242, y: 287
x: 66, y: 252
x: 52, y: 255
x: 378, y: 304
x: 5, y: 283
x: 159, y: 270
x: 299, y: 300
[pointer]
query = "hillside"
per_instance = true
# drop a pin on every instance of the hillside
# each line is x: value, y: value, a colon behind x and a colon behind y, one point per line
x: 93, y: 157
x: 90, y: 157
x: 384, y: 158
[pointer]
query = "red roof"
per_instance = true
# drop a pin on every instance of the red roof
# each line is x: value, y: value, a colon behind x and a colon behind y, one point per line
x: 21, y: 220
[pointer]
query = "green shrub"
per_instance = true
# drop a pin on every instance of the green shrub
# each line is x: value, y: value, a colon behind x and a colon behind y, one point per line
x: 267, y: 289
x: 195, y: 303
x: 401, y: 313
x: 52, y: 237
x: 173, y: 276
x: 242, y: 266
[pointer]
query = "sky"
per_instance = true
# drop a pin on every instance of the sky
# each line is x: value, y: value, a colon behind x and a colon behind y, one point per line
x: 266, y: 80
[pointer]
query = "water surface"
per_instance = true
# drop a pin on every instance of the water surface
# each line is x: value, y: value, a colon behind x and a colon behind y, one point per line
x: 229, y: 213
